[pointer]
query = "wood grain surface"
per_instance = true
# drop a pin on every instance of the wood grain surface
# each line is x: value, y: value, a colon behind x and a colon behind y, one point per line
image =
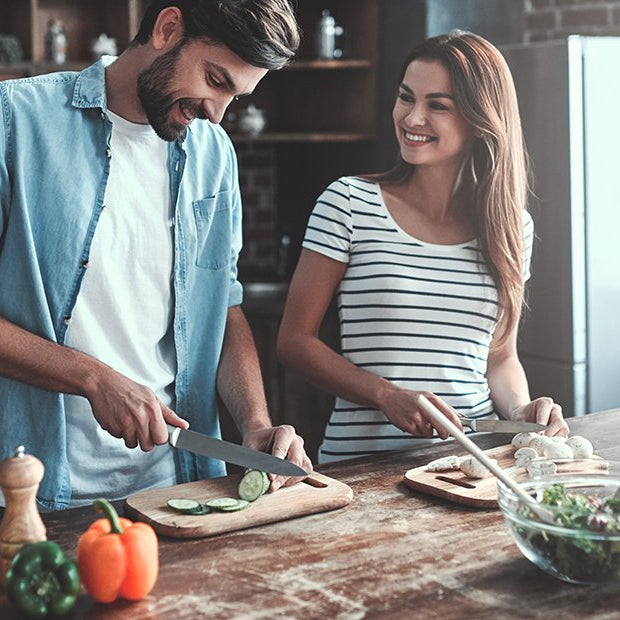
x: 455, y: 486
x: 318, y: 493
x: 393, y: 553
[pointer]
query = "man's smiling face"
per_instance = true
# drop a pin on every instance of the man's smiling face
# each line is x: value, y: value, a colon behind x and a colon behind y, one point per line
x: 194, y: 79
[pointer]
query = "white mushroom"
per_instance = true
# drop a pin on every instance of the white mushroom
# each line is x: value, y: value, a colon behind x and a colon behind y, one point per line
x: 445, y: 463
x: 556, y: 450
x: 581, y: 447
x: 473, y: 468
x: 558, y: 438
x: 524, y: 455
x: 541, y: 467
x: 538, y: 443
x: 522, y: 440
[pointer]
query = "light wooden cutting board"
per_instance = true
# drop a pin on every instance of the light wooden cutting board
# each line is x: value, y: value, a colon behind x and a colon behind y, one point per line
x: 318, y: 493
x: 457, y: 487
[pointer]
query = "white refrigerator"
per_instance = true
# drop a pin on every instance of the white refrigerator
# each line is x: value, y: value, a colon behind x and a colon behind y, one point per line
x: 569, y: 97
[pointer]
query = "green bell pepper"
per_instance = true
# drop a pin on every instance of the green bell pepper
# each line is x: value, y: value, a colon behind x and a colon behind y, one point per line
x: 42, y: 580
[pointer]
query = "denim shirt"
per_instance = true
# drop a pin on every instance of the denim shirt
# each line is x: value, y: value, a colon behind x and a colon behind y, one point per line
x: 54, y: 166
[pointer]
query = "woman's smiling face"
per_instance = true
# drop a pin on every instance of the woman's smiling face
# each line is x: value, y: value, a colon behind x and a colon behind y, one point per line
x: 429, y: 126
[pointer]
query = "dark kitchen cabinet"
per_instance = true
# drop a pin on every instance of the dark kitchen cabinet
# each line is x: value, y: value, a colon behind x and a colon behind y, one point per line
x: 291, y: 399
x: 321, y: 118
x: 328, y: 101
x: 321, y: 124
x: 82, y: 22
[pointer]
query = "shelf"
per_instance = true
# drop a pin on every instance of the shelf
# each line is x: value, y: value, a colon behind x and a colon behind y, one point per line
x: 347, y: 63
x: 29, y: 67
x: 271, y: 137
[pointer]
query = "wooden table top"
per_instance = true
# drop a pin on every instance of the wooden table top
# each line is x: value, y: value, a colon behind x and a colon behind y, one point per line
x: 392, y: 553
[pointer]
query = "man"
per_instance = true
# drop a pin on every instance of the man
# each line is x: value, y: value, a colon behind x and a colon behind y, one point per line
x: 119, y: 235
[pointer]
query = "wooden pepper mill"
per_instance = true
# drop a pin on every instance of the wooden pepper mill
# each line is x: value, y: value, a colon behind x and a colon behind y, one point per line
x: 20, y: 476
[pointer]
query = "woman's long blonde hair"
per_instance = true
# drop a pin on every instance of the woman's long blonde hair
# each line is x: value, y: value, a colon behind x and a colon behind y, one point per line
x: 496, y: 171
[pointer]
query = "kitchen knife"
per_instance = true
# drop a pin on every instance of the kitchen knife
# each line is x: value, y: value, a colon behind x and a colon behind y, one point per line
x: 502, y: 426
x: 231, y: 452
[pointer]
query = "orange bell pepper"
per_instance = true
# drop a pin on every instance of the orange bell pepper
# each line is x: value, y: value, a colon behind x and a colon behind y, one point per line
x: 117, y: 558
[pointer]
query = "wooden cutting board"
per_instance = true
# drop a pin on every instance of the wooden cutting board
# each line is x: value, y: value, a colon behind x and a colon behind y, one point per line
x: 457, y: 487
x: 318, y: 493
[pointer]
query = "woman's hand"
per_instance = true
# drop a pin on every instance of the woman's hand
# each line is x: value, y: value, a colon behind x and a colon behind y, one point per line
x: 282, y: 441
x: 543, y: 411
x: 401, y: 408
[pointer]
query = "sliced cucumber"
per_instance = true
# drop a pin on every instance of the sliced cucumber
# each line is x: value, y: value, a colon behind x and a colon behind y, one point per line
x: 253, y: 484
x: 187, y: 506
x: 227, y: 504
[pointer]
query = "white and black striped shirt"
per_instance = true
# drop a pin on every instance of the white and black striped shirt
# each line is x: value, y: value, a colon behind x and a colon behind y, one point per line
x: 418, y: 314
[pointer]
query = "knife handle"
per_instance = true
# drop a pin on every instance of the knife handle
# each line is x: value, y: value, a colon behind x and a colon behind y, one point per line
x: 173, y: 434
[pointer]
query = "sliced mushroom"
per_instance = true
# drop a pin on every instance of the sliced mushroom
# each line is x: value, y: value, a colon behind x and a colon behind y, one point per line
x: 541, y: 467
x: 445, y: 463
x: 522, y: 440
x: 524, y: 455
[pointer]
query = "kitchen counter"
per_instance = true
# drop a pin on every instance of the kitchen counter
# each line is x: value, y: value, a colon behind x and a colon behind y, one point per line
x: 392, y: 553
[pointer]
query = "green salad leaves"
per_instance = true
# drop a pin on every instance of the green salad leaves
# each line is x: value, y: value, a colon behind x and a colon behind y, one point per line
x: 582, y: 555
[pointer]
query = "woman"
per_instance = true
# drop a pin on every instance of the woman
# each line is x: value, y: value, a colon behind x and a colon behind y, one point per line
x: 428, y: 260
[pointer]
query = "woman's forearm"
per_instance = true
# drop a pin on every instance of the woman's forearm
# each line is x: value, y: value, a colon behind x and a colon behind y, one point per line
x: 508, y: 385
x: 331, y: 372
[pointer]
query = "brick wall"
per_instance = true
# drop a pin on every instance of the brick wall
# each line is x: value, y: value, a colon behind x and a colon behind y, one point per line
x: 257, y: 178
x: 556, y: 19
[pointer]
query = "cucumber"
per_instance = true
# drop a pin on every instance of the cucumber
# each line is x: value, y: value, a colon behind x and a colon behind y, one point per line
x: 227, y: 504
x: 253, y: 484
x: 187, y: 506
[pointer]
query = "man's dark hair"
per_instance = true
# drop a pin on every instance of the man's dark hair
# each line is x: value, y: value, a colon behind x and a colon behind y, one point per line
x: 264, y: 33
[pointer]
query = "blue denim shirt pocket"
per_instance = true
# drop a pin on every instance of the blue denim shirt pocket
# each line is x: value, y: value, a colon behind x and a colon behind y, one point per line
x: 214, y: 229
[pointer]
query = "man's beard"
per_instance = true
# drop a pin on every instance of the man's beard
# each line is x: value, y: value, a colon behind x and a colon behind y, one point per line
x: 153, y: 91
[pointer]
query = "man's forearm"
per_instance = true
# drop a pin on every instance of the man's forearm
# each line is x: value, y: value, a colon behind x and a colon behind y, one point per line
x: 239, y: 379
x: 39, y: 362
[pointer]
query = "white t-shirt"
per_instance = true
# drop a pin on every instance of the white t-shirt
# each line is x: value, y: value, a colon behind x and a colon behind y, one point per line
x: 123, y: 314
x: 421, y: 315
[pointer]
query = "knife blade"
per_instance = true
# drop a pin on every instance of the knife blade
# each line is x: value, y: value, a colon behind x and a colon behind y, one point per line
x: 502, y: 426
x: 231, y: 452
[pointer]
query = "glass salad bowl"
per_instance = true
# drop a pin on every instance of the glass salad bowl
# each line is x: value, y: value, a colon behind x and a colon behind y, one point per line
x: 583, y: 545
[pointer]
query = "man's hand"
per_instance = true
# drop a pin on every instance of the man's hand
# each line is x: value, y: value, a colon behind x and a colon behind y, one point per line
x: 122, y: 407
x: 282, y: 441
x: 131, y: 411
